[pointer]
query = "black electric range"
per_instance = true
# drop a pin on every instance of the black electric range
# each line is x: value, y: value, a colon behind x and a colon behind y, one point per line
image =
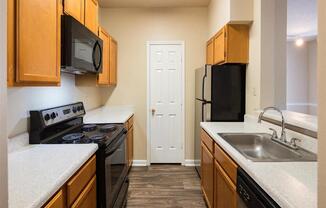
x: 64, y: 125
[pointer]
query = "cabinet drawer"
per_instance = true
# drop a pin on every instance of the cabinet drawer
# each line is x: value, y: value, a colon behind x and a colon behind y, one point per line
x: 226, y: 163
x: 80, y: 180
x: 130, y: 122
x: 57, y: 201
x: 87, y: 199
x: 207, y: 140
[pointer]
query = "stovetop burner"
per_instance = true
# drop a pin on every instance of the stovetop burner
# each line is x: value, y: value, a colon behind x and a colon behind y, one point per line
x: 89, y: 127
x: 73, y: 137
x: 97, y: 137
x: 108, y: 128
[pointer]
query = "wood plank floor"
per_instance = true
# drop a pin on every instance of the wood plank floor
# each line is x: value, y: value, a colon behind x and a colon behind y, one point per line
x: 166, y: 186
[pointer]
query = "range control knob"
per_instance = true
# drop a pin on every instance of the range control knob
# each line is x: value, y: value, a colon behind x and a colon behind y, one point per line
x: 46, y: 117
x: 74, y: 109
x: 53, y: 115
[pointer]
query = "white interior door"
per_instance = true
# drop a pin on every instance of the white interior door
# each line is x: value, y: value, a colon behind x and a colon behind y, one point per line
x: 165, y: 87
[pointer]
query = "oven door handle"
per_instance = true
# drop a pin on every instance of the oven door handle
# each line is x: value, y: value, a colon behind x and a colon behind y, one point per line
x: 116, y: 145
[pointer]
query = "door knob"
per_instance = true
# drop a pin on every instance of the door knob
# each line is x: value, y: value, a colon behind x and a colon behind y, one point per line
x: 153, y: 111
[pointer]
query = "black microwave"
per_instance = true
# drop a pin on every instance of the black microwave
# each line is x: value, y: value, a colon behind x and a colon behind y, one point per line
x: 81, y: 49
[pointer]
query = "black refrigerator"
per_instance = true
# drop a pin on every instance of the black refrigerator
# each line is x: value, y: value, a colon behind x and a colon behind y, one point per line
x: 220, y: 97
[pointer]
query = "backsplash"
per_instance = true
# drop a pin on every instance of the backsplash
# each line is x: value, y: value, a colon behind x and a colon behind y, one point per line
x: 23, y: 99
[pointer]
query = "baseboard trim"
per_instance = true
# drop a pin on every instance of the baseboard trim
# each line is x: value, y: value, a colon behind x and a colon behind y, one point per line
x: 189, y: 163
x: 141, y: 163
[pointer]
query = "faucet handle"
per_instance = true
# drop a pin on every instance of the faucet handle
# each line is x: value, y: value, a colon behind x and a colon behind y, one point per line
x: 274, y: 135
x: 293, y: 142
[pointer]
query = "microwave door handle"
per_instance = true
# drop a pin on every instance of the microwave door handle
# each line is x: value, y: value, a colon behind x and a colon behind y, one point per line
x: 93, y: 56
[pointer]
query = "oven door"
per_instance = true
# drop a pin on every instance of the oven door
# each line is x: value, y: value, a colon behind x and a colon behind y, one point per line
x: 116, y: 169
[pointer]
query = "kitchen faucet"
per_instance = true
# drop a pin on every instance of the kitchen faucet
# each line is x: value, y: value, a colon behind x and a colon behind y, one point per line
x: 282, y: 139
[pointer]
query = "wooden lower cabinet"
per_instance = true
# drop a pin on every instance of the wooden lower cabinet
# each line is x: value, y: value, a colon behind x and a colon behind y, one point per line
x: 225, y: 194
x: 79, y: 191
x: 218, y: 175
x: 57, y: 201
x: 130, y: 146
x: 207, y: 175
x: 129, y: 125
x: 87, y: 199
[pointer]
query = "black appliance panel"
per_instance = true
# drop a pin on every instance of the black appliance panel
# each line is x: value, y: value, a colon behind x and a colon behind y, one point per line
x: 116, y: 169
x: 81, y: 49
x: 250, y: 194
x: 228, y: 93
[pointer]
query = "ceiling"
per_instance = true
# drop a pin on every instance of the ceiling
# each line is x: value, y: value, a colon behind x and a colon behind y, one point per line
x: 302, y: 18
x: 152, y: 3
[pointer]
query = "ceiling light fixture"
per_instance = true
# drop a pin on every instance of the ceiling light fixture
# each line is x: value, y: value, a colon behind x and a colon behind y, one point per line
x: 299, y: 42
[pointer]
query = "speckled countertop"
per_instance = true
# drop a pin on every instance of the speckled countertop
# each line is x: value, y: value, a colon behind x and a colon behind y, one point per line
x: 290, y: 184
x: 36, y: 172
x: 107, y: 114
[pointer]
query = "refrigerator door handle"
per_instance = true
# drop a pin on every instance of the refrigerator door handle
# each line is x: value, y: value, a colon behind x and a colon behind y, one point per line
x: 203, y: 84
x: 204, y: 101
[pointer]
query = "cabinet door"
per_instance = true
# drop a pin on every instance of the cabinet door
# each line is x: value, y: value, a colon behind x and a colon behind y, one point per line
x: 225, y: 195
x: 87, y: 199
x: 219, y: 47
x: 57, y: 201
x: 91, y: 15
x: 113, y: 61
x: 130, y: 145
x: 207, y: 174
x: 237, y: 41
x: 75, y: 8
x: 11, y: 42
x: 210, y: 52
x: 38, y: 41
x: 104, y: 77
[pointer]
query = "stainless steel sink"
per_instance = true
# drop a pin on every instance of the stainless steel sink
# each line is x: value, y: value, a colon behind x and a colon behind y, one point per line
x: 259, y: 147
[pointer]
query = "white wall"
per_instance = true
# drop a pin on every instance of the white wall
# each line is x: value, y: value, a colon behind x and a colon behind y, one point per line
x: 3, y: 104
x: 266, y: 71
x: 302, y: 77
x: 133, y: 28
x: 253, y: 74
x: 221, y: 12
x: 218, y: 15
x: 23, y: 99
x: 273, y: 53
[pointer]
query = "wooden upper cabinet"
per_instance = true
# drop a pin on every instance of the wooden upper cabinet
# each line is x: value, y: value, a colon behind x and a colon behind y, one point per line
x: 104, y: 77
x: 37, y: 46
x: 219, y: 47
x: 91, y: 15
x: 11, y: 46
x: 113, y: 61
x: 207, y: 174
x: 231, y: 44
x: 225, y: 194
x: 210, y: 52
x: 75, y: 8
